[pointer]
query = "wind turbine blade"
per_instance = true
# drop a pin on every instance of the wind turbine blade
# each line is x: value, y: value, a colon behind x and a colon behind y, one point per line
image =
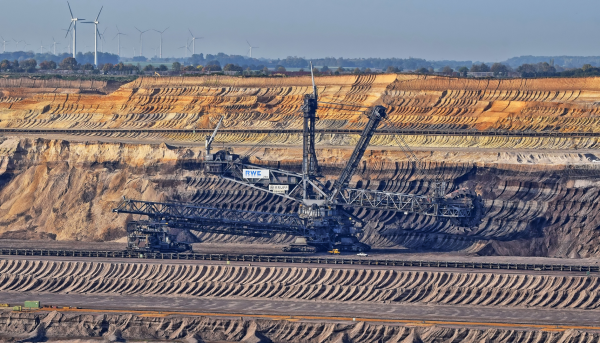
x: 119, y: 31
x: 137, y: 29
x: 87, y: 22
x: 99, y: 13
x: 99, y: 35
x: 69, y: 29
x: 191, y: 33
x: 165, y: 29
x: 68, y: 4
x: 249, y: 44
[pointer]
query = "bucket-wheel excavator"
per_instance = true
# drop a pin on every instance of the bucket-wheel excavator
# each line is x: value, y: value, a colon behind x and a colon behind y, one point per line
x: 322, y: 222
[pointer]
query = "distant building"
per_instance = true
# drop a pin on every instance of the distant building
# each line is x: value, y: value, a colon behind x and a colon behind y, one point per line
x: 480, y: 74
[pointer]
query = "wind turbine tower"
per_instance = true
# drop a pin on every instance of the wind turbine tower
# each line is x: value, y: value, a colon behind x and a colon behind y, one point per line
x: 141, y: 40
x: 3, y: 44
x: 74, y: 24
x: 250, y: 48
x: 96, y: 34
x: 41, y: 47
x: 118, y: 36
x: 194, y: 42
x: 160, y: 49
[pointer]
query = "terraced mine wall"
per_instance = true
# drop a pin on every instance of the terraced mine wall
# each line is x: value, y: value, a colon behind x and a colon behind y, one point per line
x: 540, y: 193
x: 535, y: 204
x: 115, y: 327
x: 413, y: 102
x: 356, y: 285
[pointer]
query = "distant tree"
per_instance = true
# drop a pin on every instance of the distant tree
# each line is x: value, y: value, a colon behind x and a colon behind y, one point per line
x: 148, y: 67
x: 447, y: 70
x: 356, y: 71
x: 315, y: 70
x: 4, y: 65
x: 68, y: 63
x: 422, y: 71
x: 189, y: 68
x: 340, y: 70
x: 480, y: 68
x: 29, y: 65
x: 162, y: 67
x: 463, y: 71
x: 176, y: 66
x: 280, y: 68
x: 265, y: 70
x: 527, y: 70
x: 232, y: 67
x: 212, y: 67
x: 87, y: 66
x: 47, y: 65
x: 367, y: 70
x: 499, y: 69
x: 586, y: 67
x: 107, y: 67
x: 199, y: 67
x: 301, y: 70
x: 325, y: 69
x: 430, y: 70
x: 392, y: 69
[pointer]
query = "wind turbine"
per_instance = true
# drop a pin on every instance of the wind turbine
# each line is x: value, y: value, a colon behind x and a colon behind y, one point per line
x: 4, y: 44
x: 102, y: 40
x: 68, y: 45
x: 119, y: 33
x: 141, y: 41
x: 17, y: 46
x: 96, y: 34
x: 187, y: 44
x: 251, y: 47
x: 194, y: 42
x: 41, y: 47
x: 26, y: 44
x: 54, y: 43
x: 74, y: 24
x: 161, y: 33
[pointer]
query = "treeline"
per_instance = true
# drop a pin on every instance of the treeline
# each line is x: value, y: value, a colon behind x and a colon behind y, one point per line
x: 571, y: 62
x: 82, y: 58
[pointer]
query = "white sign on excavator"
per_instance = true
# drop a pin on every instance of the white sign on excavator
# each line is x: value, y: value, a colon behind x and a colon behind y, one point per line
x: 256, y: 173
x: 279, y: 189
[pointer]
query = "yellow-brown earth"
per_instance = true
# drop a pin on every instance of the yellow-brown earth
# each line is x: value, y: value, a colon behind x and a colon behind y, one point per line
x: 540, y: 192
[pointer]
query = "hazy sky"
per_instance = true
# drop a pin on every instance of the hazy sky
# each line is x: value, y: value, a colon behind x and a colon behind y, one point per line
x: 478, y: 30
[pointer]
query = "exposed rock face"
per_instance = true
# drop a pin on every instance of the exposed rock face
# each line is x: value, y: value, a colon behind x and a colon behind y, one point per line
x: 67, y: 189
x: 540, y: 200
x: 205, y: 329
x: 413, y: 102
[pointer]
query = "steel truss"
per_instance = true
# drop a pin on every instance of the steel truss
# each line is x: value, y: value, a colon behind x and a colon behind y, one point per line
x: 202, y: 217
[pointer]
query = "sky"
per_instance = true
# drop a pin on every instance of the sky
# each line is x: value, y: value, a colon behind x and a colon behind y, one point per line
x: 476, y: 30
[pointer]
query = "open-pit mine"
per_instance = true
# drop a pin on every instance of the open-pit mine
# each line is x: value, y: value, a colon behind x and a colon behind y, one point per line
x: 395, y: 167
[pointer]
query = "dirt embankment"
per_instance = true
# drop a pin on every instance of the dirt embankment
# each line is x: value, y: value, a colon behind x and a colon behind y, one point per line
x: 413, y: 102
x: 541, y: 205
x: 308, y: 284
x: 114, y: 327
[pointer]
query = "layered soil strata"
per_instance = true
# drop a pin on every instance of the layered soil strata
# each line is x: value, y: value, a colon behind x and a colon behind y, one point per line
x: 413, y: 102
x: 535, y: 204
x: 118, y: 327
x: 387, y: 286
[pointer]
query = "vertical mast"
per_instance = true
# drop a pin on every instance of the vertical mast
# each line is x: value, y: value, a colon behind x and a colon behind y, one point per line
x: 309, y: 157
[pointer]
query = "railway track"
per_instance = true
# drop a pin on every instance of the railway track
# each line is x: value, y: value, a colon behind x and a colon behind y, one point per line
x: 118, y: 132
x: 298, y: 259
